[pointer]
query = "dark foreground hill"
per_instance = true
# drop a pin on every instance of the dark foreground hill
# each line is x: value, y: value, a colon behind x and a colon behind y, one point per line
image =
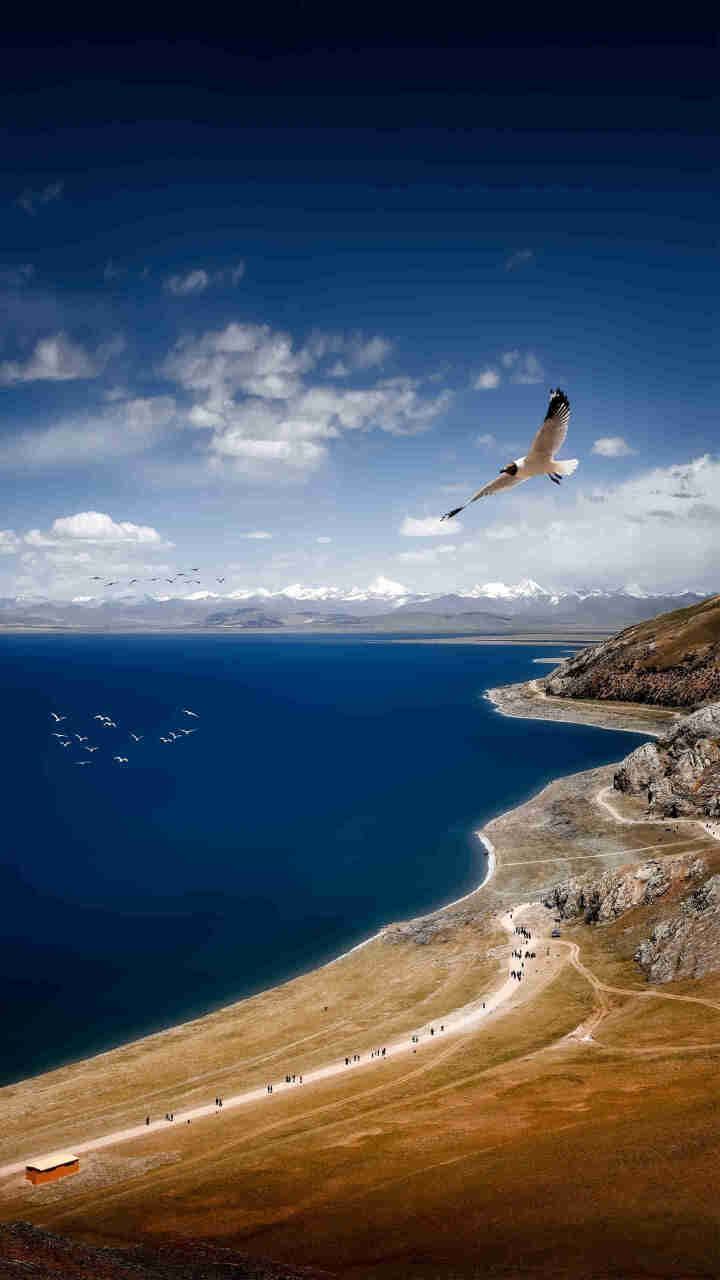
x: 672, y: 660
x: 34, y: 1254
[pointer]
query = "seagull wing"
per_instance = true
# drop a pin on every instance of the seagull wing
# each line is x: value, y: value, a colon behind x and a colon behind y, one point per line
x: 503, y: 481
x: 553, y: 431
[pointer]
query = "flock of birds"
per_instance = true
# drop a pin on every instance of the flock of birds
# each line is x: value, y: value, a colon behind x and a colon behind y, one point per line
x: 65, y: 739
x: 177, y: 575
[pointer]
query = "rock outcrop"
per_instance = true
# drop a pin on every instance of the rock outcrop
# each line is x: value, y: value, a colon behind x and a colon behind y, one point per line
x: 684, y: 944
x: 679, y: 774
x: 600, y: 899
x: 673, y: 661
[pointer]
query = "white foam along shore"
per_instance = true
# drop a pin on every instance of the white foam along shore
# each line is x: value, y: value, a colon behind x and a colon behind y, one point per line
x: 490, y: 865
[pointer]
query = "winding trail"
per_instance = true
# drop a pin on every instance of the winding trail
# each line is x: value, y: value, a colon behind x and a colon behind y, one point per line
x: 458, y: 1021
x: 599, y: 989
x: 461, y: 1020
x: 707, y: 828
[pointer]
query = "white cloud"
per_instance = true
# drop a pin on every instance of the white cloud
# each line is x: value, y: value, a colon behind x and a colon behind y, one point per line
x: 198, y: 280
x: 14, y: 277
x: 251, y: 393
x: 528, y: 370
x: 250, y: 358
x: 195, y: 281
x: 518, y: 259
x: 93, y: 527
x: 487, y: 441
x: 59, y: 359
x: 660, y: 526
x: 386, y: 587
x: 260, y: 534
x: 612, y: 447
x: 428, y: 555
x: 488, y: 380
x: 428, y: 527
x: 31, y: 200
x: 9, y: 542
x: 120, y: 429
x: 525, y: 368
x: 323, y: 539
x: 360, y: 353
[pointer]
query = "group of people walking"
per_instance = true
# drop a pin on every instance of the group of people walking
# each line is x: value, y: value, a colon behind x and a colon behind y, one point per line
x: 350, y: 1059
x: 517, y: 954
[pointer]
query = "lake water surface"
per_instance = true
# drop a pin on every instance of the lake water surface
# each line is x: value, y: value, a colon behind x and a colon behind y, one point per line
x: 332, y: 785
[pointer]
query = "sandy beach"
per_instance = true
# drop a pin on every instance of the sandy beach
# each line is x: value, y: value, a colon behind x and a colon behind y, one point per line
x: 402, y: 1159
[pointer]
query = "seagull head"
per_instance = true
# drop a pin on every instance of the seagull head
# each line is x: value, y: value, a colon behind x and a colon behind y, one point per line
x: 510, y: 469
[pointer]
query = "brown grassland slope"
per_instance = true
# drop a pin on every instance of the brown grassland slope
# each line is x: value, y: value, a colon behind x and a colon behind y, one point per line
x: 672, y: 660
x: 574, y: 1132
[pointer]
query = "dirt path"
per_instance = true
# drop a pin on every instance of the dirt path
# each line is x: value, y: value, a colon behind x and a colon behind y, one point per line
x: 536, y: 974
x: 599, y: 988
x: 580, y: 857
x: 707, y: 828
x: 457, y: 1021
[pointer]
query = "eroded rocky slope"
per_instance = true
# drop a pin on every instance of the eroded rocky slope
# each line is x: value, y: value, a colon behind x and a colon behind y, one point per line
x: 684, y: 942
x: 673, y: 660
x: 679, y: 773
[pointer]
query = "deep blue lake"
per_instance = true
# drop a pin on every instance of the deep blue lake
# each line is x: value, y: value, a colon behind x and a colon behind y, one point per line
x: 332, y: 785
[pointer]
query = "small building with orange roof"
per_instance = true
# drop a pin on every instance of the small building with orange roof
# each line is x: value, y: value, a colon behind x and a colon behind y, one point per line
x: 58, y: 1164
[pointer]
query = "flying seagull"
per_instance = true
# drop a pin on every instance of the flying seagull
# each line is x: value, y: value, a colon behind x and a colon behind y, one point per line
x: 541, y: 458
x: 54, y: 715
x: 120, y: 759
x: 187, y: 712
x: 135, y: 736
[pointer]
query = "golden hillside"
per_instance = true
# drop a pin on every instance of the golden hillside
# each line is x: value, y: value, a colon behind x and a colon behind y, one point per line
x: 672, y: 660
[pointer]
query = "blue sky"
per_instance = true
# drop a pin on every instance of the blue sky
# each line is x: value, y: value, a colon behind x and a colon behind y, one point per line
x: 322, y: 294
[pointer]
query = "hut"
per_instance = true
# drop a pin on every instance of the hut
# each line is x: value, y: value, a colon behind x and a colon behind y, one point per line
x: 58, y: 1164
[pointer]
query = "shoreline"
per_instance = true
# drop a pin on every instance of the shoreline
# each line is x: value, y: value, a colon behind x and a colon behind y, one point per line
x: 490, y: 867
x: 407, y: 927
x: 436, y: 917
x: 504, y: 1070
x: 527, y: 701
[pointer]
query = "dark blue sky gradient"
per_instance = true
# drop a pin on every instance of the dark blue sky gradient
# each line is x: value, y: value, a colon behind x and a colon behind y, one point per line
x: 373, y: 189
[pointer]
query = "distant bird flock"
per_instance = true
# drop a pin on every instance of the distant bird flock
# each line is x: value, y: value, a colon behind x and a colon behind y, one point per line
x: 65, y: 739
x: 179, y: 575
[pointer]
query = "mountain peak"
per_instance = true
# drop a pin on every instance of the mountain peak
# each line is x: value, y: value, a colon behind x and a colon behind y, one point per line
x: 526, y: 589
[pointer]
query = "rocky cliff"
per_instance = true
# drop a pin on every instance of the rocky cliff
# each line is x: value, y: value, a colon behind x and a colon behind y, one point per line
x: 601, y: 899
x: 684, y: 942
x: 679, y: 774
x: 673, y: 660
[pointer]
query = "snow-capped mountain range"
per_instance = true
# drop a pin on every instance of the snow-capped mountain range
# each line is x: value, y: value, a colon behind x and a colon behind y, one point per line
x: 490, y: 608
